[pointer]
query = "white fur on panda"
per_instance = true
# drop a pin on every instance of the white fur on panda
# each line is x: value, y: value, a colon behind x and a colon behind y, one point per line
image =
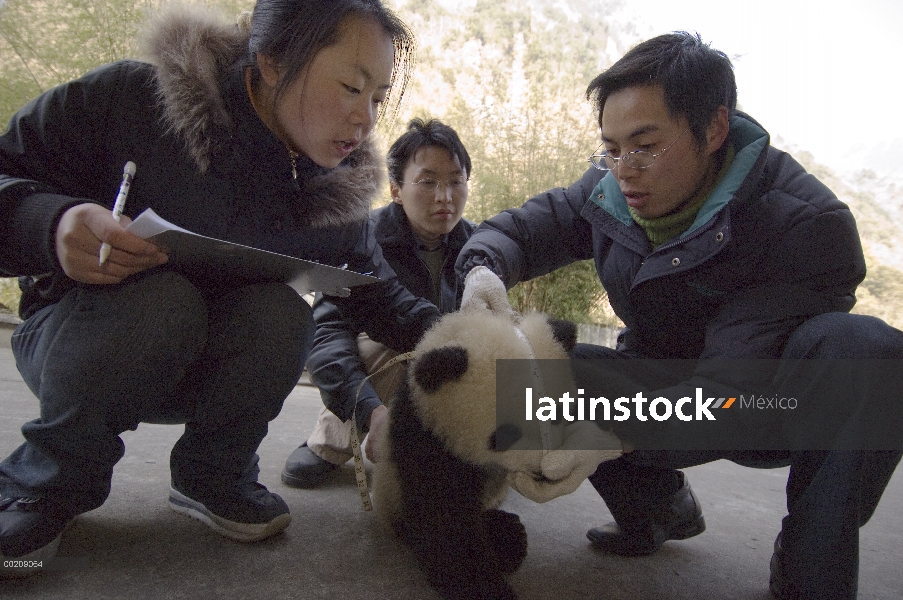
x: 461, y: 413
x: 440, y: 487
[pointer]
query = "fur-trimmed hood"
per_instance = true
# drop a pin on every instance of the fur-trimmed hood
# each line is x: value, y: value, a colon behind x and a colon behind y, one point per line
x: 192, y: 49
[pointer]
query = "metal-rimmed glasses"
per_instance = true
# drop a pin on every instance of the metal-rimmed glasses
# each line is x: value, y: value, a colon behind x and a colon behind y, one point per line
x: 429, y: 185
x: 636, y: 159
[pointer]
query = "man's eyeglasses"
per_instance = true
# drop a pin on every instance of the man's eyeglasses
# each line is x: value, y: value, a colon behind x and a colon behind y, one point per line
x: 637, y: 159
x: 454, y: 184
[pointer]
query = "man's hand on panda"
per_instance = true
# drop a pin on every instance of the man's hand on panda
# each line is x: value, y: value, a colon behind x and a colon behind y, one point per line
x: 374, y: 432
x: 483, y: 290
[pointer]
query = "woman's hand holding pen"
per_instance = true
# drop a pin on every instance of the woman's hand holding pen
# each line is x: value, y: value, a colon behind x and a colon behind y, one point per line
x: 81, y: 231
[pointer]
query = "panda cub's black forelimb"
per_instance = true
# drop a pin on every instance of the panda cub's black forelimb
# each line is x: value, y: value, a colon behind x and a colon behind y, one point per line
x: 465, y: 550
x: 565, y: 333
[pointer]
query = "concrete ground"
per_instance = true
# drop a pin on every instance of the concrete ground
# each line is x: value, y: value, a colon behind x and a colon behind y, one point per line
x: 136, y: 547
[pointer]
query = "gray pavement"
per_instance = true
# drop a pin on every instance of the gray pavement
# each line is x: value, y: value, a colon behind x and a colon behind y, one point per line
x: 138, y: 548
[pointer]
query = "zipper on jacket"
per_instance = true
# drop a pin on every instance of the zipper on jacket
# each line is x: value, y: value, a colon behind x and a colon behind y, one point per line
x: 666, y: 247
x: 439, y: 296
x: 673, y: 244
x: 293, y: 156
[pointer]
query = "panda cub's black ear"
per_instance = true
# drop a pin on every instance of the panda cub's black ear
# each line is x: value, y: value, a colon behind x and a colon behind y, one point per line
x: 440, y: 366
x: 565, y: 333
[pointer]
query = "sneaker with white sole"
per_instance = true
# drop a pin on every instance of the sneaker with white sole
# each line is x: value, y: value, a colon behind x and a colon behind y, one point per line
x: 246, y: 512
x: 30, y: 532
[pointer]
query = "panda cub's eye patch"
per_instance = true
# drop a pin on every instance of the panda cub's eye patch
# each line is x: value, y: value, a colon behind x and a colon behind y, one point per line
x: 440, y: 366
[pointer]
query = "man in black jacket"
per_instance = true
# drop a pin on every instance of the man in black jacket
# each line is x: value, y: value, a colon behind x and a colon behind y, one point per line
x: 717, y: 249
x: 421, y: 233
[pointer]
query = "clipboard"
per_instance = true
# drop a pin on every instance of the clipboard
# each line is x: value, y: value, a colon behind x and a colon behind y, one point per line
x: 192, y: 253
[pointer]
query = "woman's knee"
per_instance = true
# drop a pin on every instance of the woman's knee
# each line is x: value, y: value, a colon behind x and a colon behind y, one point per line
x: 156, y: 314
x: 103, y: 354
x: 263, y: 331
x: 288, y: 313
x: 270, y: 314
x: 159, y: 305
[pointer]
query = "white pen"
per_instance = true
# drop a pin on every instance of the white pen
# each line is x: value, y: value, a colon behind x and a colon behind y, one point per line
x: 127, y: 173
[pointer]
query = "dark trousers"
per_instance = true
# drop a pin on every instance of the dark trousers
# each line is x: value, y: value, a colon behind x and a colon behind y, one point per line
x: 830, y: 493
x: 153, y: 349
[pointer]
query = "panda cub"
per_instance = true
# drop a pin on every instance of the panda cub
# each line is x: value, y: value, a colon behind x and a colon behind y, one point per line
x: 444, y: 466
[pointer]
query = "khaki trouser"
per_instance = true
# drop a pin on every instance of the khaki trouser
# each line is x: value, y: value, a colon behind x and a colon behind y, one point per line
x: 331, y: 437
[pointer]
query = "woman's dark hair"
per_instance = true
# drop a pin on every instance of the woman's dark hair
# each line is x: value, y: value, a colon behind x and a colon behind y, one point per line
x: 695, y: 78
x: 292, y: 32
x: 422, y: 134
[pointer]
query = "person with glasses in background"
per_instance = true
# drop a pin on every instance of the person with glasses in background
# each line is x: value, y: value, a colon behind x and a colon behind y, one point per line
x: 421, y: 232
x: 713, y: 244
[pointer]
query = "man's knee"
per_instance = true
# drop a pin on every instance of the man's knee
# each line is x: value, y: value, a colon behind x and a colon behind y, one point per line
x: 844, y: 336
x: 845, y: 373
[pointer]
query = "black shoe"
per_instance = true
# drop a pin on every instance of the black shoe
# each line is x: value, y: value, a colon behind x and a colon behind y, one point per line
x: 304, y: 469
x: 777, y: 583
x: 30, y: 530
x: 246, y: 512
x: 678, y: 519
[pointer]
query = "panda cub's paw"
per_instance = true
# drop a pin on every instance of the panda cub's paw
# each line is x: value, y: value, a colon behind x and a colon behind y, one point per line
x: 508, y: 538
